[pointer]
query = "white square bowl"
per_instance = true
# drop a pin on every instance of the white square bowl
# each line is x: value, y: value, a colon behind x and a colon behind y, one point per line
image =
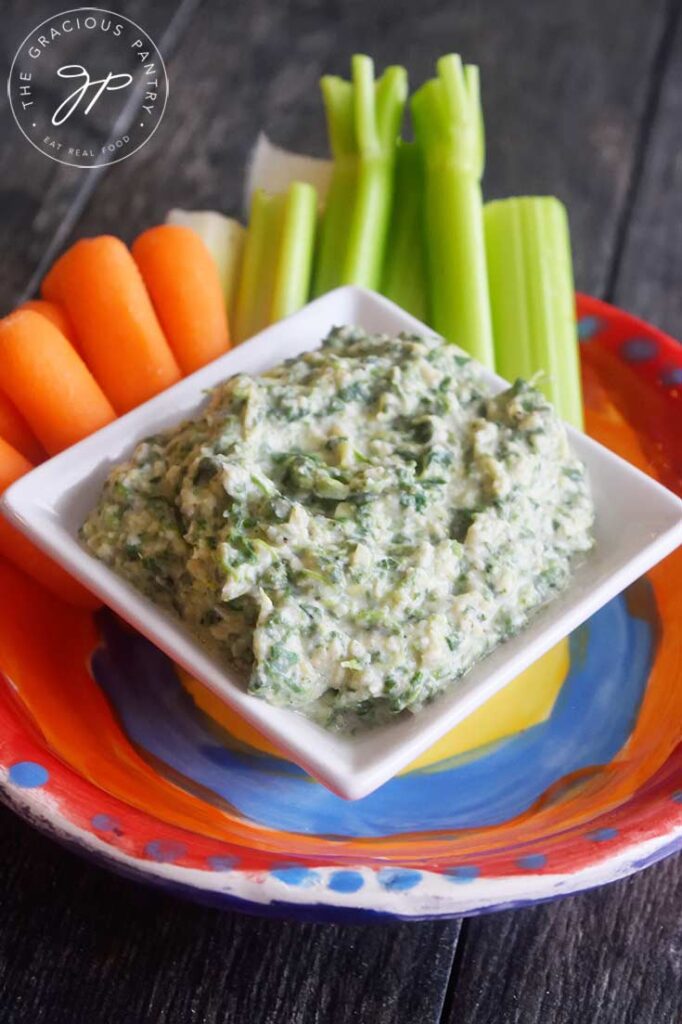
x: 638, y: 522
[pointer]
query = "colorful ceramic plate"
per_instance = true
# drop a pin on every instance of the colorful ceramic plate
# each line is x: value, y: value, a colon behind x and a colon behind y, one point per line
x: 50, y: 504
x: 570, y: 777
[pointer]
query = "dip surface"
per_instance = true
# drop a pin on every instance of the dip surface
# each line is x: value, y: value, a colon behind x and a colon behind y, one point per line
x: 355, y: 528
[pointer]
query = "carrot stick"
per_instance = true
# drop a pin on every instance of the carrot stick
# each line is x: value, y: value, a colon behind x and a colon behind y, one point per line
x: 99, y: 285
x: 12, y: 465
x: 55, y: 314
x: 15, y: 430
x: 49, y: 382
x: 182, y: 278
x: 19, y: 550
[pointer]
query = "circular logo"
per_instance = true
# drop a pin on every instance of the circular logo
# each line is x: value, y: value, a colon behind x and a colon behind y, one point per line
x: 88, y: 87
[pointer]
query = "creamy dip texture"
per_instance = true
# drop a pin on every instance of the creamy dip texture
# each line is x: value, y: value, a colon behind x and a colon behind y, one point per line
x: 355, y: 528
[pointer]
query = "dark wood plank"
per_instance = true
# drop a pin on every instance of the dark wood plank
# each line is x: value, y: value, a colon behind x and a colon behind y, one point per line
x: 25, y: 175
x: 80, y: 946
x: 610, y: 955
x: 650, y: 266
x: 40, y: 200
x: 564, y: 87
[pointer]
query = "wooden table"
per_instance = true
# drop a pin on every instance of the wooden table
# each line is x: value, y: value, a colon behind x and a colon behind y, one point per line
x: 582, y: 99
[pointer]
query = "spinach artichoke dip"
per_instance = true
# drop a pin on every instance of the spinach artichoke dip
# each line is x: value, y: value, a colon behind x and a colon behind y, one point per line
x: 355, y: 528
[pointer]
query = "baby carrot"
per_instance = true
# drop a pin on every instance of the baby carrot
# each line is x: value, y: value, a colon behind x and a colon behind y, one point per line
x: 224, y: 238
x: 183, y: 281
x: 54, y: 313
x: 99, y: 285
x: 49, y: 382
x: 15, y: 430
x: 12, y: 465
x: 19, y: 550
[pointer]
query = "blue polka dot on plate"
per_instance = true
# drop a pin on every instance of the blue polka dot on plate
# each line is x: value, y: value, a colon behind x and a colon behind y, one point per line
x: 532, y: 861
x: 638, y: 350
x: 295, y: 876
x: 106, y: 823
x: 398, y: 879
x: 602, y: 835
x: 165, y: 851
x: 222, y: 863
x: 588, y: 327
x: 677, y: 796
x: 672, y: 377
x: 463, y: 873
x: 345, y: 881
x: 28, y: 774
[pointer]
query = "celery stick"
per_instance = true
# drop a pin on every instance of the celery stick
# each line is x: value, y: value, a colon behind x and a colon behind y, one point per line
x: 363, y: 120
x: 255, y: 283
x: 532, y: 297
x: 224, y: 238
x: 404, y: 276
x: 278, y: 253
x: 448, y: 127
x: 507, y: 280
x: 291, y: 286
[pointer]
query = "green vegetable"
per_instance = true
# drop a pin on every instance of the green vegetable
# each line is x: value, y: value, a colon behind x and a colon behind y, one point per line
x: 404, y: 278
x: 363, y: 120
x: 448, y: 127
x: 295, y: 260
x: 278, y: 255
x: 532, y: 296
